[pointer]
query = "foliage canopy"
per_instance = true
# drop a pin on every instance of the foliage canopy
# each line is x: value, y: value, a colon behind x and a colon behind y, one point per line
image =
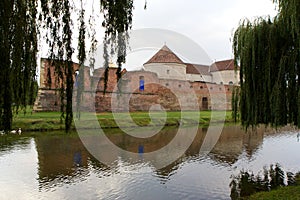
x: 268, y: 53
x: 18, y: 38
x: 21, y: 24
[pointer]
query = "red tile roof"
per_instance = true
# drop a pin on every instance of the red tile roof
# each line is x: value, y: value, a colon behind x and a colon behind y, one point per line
x: 197, y: 69
x: 222, y: 65
x: 165, y: 55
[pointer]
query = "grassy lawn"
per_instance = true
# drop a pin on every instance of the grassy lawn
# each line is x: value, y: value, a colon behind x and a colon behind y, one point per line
x: 51, y: 120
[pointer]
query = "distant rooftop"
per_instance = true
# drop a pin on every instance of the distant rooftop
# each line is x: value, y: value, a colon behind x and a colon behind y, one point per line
x: 165, y: 55
x: 222, y: 65
x: 197, y: 69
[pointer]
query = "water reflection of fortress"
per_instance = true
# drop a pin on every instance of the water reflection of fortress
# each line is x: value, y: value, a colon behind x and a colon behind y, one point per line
x: 60, y: 156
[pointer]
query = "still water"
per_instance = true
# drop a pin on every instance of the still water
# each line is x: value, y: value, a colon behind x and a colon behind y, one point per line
x: 57, y: 166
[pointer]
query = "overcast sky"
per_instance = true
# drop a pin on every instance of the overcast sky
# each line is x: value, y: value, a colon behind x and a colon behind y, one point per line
x: 209, y: 23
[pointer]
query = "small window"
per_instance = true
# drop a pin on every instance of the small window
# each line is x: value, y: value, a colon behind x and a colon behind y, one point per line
x: 220, y: 89
x: 179, y: 86
x: 191, y: 86
x: 230, y: 83
x: 221, y: 83
x: 211, y: 88
x: 168, y: 71
x: 167, y: 84
x: 76, y: 77
x: 142, y: 83
x: 201, y: 87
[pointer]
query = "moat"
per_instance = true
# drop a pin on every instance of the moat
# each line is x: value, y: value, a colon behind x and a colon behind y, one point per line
x: 53, y: 165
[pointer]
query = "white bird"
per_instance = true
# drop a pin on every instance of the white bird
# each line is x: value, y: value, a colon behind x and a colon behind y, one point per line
x: 2, y: 132
x: 19, y: 131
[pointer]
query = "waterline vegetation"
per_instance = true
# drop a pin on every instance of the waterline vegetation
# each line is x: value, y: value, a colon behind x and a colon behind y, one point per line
x: 43, y: 121
x: 274, y: 183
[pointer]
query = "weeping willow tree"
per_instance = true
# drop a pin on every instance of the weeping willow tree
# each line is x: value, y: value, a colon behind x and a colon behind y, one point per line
x: 56, y: 15
x: 117, y: 22
x: 18, y: 37
x: 268, y: 53
x: 20, y: 25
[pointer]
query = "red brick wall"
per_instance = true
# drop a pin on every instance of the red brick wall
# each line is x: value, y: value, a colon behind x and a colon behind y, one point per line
x: 48, y: 74
x: 167, y: 93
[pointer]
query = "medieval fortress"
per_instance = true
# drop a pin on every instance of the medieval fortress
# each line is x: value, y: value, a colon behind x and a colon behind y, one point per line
x: 164, y: 80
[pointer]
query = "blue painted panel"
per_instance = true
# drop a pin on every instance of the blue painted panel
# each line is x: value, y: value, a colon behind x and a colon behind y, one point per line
x: 142, y: 87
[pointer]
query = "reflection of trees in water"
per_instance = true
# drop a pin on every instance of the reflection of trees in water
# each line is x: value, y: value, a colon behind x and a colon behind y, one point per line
x: 10, y: 142
x: 64, y: 159
x: 246, y: 183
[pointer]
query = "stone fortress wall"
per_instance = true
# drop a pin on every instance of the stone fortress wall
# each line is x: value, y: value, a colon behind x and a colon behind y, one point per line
x: 162, y: 84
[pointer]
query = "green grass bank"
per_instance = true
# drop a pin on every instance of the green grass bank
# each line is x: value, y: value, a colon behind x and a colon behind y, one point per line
x: 43, y: 121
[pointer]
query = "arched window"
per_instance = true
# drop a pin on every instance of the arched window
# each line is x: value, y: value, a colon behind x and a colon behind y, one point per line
x: 76, y: 78
x: 230, y: 83
x: 142, y: 83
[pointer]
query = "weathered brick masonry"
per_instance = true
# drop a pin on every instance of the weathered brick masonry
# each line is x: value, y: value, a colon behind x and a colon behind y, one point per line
x: 156, y: 91
x: 165, y: 80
